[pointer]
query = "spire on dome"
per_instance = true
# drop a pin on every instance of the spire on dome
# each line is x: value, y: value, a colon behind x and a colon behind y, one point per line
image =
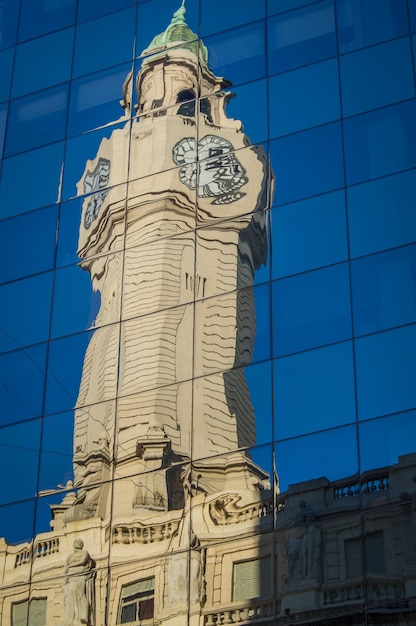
x: 178, y: 32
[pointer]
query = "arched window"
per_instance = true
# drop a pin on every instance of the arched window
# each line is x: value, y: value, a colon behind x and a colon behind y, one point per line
x: 186, y: 99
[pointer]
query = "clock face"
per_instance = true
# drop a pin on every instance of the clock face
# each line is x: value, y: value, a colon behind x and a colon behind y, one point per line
x: 211, y: 167
x: 95, y: 181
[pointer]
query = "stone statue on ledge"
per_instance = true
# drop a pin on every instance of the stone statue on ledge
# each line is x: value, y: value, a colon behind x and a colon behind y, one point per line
x: 79, y: 587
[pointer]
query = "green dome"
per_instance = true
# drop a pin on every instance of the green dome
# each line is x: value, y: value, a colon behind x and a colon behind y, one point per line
x: 177, y: 32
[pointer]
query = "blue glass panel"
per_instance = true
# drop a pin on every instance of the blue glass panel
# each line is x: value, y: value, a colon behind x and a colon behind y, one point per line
x: 43, y: 62
x: 44, y: 16
x: 19, y: 458
x: 89, y: 9
x: 92, y: 52
x: 24, y: 186
x: 259, y: 381
x: 309, y: 234
x: 215, y: 15
x: 367, y: 22
x: 376, y: 76
x: 290, y: 110
x: 36, y: 120
x: 279, y: 6
x: 332, y: 454
x: 9, y: 15
x: 314, y: 390
x: 6, y: 63
x: 384, y: 290
x: 262, y: 347
x: 241, y: 108
x: 21, y: 383
x: 301, y: 37
x: 66, y: 358
x: 80, y: 149
x: 18, y: 327
x: 238, y: 55
x: 36, y: 254
x: 3, y: 121
x: 71, y: 315
x: 386, y: 365
x: 381, y: 142
x: 382, y: 213
x: 17, y: 522
x: 68, y: 235
x: 311, y: 310
x: 412, y: 11
x: 57, y: 450
x: 95, y: 100
x: 307, y: 163
x: 383, y: 440
x: 154, y: 17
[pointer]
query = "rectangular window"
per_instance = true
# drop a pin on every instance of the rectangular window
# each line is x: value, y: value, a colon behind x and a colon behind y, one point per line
x: 137, y: 601
x: 252, y: 579
x: 31, y: 613
x: 373, y: 555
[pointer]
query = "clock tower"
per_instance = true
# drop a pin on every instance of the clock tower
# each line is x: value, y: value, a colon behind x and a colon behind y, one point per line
x: 172, y: 253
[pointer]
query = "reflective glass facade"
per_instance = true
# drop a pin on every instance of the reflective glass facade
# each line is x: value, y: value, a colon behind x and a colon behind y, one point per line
x: 208, y: 321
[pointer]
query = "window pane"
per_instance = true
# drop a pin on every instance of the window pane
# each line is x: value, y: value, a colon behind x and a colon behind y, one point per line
x: 9, y: 15
x: 24, y: 186
x: 381, y: 213
x: 309, y: 234
x: 88, y: 9
x: 291, y: 111
x: 71, y: 315
x: 36, y: 120
x: 241, y: 108
x: 22, y: 375
x: 332, y: 454
x: 80, y: 149
x: 36, y: 254
x: 384, y: 440
x: 386, y: 372
x: 95, y: 100
x: 238, y: 55
x: 26, y: 318
x: 236, y: 13
x: 365, y: 22
x: 46, y: 69
x: 57, y: 450
x: 66, y: 358
x: 92, y: 52
x: 19, y: 457
x: 314, y: 390
x: 384, y: 290
x: 307, y: 163
x: 376, y: 76
x: 6, y: 64
x: 300, y: 37
x: 311, y: 310
x: 381, y: 142
x: 44, y: 16
x: 17, y: 522
x: 279, y: 6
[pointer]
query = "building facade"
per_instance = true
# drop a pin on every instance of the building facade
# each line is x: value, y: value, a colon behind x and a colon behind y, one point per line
x: 208, y: 330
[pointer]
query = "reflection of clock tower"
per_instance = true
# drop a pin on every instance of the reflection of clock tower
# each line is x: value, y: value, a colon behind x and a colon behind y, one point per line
x: 192, y: 230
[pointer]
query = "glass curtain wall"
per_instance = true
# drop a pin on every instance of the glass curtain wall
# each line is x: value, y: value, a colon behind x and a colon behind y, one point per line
x: 208, y: 320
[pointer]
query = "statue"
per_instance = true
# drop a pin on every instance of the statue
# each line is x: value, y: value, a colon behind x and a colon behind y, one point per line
x: 303, y: 546
x: 79, y: 587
